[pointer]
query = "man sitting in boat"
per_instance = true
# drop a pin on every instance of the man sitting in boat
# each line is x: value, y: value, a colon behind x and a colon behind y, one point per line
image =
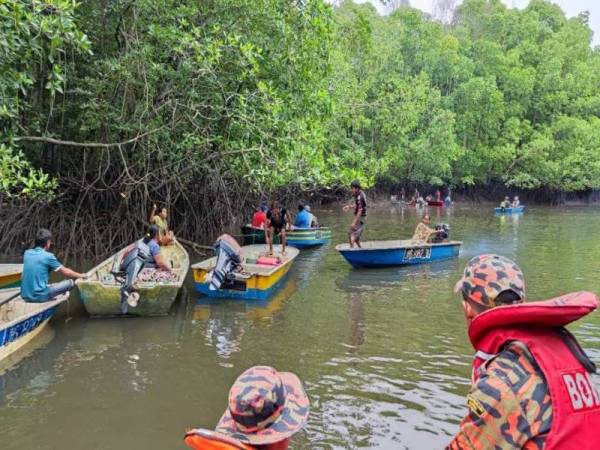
x: 38, y: 262
x: 423, y: 232
x: 278, y: 220
x: 260, y: 217
x: 505, y: 203
x: 144, y: 253
x: 314, y: 223
x: 266, y: 408
x: 166, y: 236
x: 302, y: 219
x: 516, y: 203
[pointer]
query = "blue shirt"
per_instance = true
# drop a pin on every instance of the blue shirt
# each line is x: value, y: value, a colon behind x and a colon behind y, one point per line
x: 37, y: 265
x: 154, y: 248
x: 302, y: 219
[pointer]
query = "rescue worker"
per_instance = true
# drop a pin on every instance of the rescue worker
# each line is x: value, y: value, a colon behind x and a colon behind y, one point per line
x: 531, y: 387
x: 266, y: 408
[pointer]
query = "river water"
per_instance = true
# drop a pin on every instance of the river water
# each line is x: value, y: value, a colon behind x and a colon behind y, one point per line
x: 383, y: 353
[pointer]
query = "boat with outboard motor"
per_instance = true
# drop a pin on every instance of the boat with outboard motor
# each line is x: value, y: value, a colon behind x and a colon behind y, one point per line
x: 100, y: 292
x: 247, y: 272
x: 21, y: 321
x: 398, y: 253
x: 10, y: 275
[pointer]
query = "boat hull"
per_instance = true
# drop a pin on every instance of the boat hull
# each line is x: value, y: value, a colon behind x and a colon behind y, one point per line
x: 435, y: 202
x: 308, y: 237
x: 101, y: 296
x: 517, y: 210
x: 21, y: 330
x: 253, y: 236
x: 262, y: 282
x: 410, y: 254
x: 10, y: 275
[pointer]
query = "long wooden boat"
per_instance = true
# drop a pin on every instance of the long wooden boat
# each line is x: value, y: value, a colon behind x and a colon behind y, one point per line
x: 397, y: 253
x: 308, y: 237
x: 21, y: 321
x: 518, y: 209
x: 100, y: 292
x: 255, y: 281
x: 10, y: 275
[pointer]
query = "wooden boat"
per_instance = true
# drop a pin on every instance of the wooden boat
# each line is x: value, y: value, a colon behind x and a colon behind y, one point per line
x: 435, y: 202
x: 22, y: 321
x: 308, y: 237
x: 100, y: 292
x: 398, y: 253
x: 518, y: 209
x: 10, y: 275
x: 255, y: 281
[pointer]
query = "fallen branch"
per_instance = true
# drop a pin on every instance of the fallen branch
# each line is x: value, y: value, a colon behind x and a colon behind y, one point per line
x: 50, y: 140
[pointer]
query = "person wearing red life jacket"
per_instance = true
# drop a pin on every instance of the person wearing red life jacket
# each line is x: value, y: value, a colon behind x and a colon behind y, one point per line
x: 531, y: 386
x: 266, y: 408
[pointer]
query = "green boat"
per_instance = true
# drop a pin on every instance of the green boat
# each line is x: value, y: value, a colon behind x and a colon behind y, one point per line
x: 100, y: 292
x: 255, y: 235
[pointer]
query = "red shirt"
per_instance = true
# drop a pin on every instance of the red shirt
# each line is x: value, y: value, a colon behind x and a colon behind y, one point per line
x: 259, y: 219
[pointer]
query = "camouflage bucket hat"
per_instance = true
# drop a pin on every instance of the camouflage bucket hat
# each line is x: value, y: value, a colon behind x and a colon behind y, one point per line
x: 265, y: 406
x: 486, y: 276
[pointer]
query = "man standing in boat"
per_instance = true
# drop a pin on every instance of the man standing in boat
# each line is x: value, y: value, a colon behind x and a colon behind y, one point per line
x: 531, y: 379
x: 38, y: 262
x: 360, y: 214
x: 278, y: 220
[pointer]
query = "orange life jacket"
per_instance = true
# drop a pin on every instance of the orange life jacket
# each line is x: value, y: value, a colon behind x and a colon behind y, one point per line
x: 201, y: 439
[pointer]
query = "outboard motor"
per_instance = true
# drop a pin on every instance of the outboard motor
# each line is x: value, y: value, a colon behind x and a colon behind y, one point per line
x: 229, y: 259
x: 443, y: 232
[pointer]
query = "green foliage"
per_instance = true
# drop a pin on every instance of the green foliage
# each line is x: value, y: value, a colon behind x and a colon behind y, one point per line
x: 267, y: 94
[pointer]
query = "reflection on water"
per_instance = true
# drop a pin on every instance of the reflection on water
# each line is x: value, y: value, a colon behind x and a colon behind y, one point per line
x: 383, y: 353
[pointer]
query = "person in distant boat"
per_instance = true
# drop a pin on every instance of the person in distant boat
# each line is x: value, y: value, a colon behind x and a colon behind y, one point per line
x: 428, y: 198
x: 438, y: 195
x: 302, y: 219
x: 531, y: 385
x: 423, y: 232
x: 166, y: 236
x: 448, y: 200
x: 360, y: 214
x: 38, y: 262
x: 314, y: 223
x: 266, y: 408
x: 516, y: 203
x: 260, y: 217
x: 278, y: 220
x: 505, y: 203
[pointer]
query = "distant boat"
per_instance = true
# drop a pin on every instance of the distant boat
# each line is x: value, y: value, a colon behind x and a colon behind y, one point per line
x: 308, y: 237
x: 21, y: 321
x: 101, y: 296
x: 435, y: 202
x: 10, y: 275
x: 255, y: 281
x: 398, y: 253
x: 518, y: 209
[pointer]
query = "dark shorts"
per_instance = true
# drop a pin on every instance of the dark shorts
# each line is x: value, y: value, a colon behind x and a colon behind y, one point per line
x: 356, y: 233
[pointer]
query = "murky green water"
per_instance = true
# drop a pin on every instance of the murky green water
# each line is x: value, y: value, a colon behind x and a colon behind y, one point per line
x: 383, y: 353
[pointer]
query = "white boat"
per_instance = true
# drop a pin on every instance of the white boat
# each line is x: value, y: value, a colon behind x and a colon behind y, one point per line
x: 21, y: 322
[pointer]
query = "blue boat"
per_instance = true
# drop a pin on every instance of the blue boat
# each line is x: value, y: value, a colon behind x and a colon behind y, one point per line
x: 308, y: 237
x: 518, y: 209
x: 398, y: 253
x: 21, y: 321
